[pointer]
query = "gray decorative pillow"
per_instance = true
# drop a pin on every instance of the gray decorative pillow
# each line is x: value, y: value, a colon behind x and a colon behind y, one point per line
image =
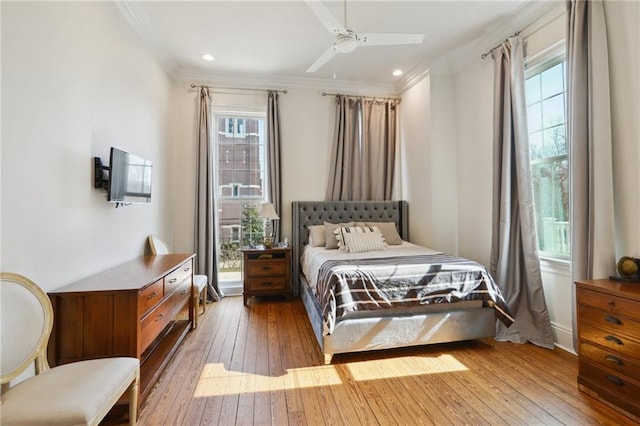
x: 330, y: 238
x: 389, y: 232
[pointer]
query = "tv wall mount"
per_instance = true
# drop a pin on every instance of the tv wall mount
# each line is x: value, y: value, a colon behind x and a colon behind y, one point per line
x: 100, y: 174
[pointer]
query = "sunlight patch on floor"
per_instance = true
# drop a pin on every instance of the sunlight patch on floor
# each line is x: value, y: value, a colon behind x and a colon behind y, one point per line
x: 216, y: 380
x: 389, y: 368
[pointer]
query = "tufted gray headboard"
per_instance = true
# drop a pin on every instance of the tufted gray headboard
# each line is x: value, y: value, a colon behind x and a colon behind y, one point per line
x: 307, y: 213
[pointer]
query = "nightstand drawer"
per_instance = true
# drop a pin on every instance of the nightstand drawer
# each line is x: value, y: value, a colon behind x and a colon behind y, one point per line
x: 261, y: 268
x: 266, y: 284
x: 610, y: 359
x: 617, y: 384
x: 609, y: 303
x: 609, y: 321
x: 615, y: 342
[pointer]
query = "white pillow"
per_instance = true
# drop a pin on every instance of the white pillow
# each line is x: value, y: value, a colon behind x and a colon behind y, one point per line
x: 358, y: 239
x: 316, y: 236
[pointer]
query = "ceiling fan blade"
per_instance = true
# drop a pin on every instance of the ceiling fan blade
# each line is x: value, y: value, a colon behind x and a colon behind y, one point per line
x: 328, y: 20
x: 388, y: 39
x: 323, y: 59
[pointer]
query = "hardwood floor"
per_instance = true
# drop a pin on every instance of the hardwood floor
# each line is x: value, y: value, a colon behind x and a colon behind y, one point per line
x: 261, y: 365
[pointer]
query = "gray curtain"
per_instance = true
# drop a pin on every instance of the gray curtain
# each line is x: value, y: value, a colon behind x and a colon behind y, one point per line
x: 205, y: 238
x: 514, y: 247
x: 274, y: 158
x: 364, y: 147
x: 589, y: 136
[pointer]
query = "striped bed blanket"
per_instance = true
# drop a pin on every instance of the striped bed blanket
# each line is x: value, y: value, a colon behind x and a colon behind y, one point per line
x: 347, y: 286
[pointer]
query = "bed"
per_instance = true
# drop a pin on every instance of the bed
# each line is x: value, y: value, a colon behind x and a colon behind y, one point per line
x: 467, y: 317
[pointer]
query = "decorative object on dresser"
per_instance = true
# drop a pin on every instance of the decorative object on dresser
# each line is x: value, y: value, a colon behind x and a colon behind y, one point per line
x: 79, y: 393
x: 141, y: 309
x: 609, y: 343
x: 628, y: 269
x: 266, y: 272
x: 158, y: 246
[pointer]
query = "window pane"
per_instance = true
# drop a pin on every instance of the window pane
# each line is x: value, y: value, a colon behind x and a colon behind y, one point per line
x: 554, y: 141
x: 532, y: 89
x: 553, y: 81
x: 551, y: 193
x: 534, y: 117
x: 535, y: 145
x: 553, y: 111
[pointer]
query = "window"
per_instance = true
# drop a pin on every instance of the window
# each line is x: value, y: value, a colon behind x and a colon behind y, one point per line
x: 545, y: 89
x: 239, y: 142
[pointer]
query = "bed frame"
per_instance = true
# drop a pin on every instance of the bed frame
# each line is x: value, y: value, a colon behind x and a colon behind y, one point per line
x: 391, y: 328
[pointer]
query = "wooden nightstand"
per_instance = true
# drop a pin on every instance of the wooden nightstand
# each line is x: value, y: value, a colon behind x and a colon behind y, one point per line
x: 609, y: 336
x: 267, y: 272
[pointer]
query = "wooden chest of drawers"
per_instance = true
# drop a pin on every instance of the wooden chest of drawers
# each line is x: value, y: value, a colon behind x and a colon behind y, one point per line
x: 138, y: 309
x: 267, y: 272
x: 609, y: 343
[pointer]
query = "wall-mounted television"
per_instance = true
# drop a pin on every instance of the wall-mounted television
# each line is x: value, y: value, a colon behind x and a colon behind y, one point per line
x: 129, y: 178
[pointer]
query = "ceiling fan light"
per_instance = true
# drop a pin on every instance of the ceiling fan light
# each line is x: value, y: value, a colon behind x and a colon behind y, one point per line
x: 345, y: 43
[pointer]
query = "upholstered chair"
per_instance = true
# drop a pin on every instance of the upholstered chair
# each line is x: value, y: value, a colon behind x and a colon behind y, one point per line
x: 78, y: 393
x: 158, y: 246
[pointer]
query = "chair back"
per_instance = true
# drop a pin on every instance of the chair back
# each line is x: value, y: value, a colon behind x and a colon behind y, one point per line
x: 26, y: 320
x: 157, y: 245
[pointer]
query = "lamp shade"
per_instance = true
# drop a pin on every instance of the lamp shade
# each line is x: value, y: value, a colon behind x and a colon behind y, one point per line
x: 267, y: 211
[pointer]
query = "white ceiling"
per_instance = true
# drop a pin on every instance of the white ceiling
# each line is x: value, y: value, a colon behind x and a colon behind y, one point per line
x: 278, y: 40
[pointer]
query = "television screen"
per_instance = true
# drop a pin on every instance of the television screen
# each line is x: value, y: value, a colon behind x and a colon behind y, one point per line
x: 129, y: 178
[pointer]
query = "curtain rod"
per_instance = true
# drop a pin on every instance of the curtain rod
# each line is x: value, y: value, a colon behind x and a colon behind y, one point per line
x: 485, y: 54
x: 204, y: 86
x: 382, y: 98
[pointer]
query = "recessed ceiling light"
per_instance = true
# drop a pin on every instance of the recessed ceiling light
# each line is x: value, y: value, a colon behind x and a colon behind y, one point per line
x: 397, y: 72
x: 208, y: 57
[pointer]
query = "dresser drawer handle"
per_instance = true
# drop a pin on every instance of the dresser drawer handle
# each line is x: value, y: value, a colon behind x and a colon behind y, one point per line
x: 613, y: 320
x: 612, y: 303
x: 152, y: 295
x: 183, y: 292
x: 265, y: 256
x: 266, y: 268
x: 173, y: 280
x: 187, y: 269
x: 159, y: 317
x: 615, y: 380
x: 614, y: 340
x: 614, y: 359
x: 266, y: 283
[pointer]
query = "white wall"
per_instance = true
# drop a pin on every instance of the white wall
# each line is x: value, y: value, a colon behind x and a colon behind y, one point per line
x: 76, y: 81
x: 306, y: 132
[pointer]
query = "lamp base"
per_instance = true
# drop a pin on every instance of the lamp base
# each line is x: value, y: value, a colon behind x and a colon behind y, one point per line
x: 268, y: 241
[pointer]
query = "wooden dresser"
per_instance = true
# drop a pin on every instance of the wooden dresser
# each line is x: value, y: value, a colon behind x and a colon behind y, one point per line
x: 139, y: 309
x: 267, y: 272
x: 609, y: 343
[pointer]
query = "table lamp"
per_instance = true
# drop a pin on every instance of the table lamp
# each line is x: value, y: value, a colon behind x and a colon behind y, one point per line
x: 268, y: 212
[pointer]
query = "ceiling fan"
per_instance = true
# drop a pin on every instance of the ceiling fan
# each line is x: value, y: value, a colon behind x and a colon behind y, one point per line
x: 347, y: 40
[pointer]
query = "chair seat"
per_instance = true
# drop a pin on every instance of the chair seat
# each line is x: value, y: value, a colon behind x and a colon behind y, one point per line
x: 200, y: 282
x: 77, y: 393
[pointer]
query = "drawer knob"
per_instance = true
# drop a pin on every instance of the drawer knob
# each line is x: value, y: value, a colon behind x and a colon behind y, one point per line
x: 159, y: 317
x: 612, y: 303
x: 614, y: 339
x: 266, y: 268
x: 613, y: 320
x: 266, y: 283
x: 615, y: 380
x: 187, y: 269
x: 152, y: 295
x: 614, y: 359
x: 173, y: 280
x: 183, y: 292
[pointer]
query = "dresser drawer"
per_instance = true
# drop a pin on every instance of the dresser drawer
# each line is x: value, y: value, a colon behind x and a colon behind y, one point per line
x: 266, y: 284
x: 174, y: 279
x: 263, y: 268
x: 617, y: 384
x: 609, y: 303
x: 609, y: 321
x: 150, y: 296
x: 614, y: 341
x: 611, y: 360
x: 152, y: 325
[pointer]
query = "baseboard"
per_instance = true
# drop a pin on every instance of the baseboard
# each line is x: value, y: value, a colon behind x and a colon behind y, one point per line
x: 563, y: 337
